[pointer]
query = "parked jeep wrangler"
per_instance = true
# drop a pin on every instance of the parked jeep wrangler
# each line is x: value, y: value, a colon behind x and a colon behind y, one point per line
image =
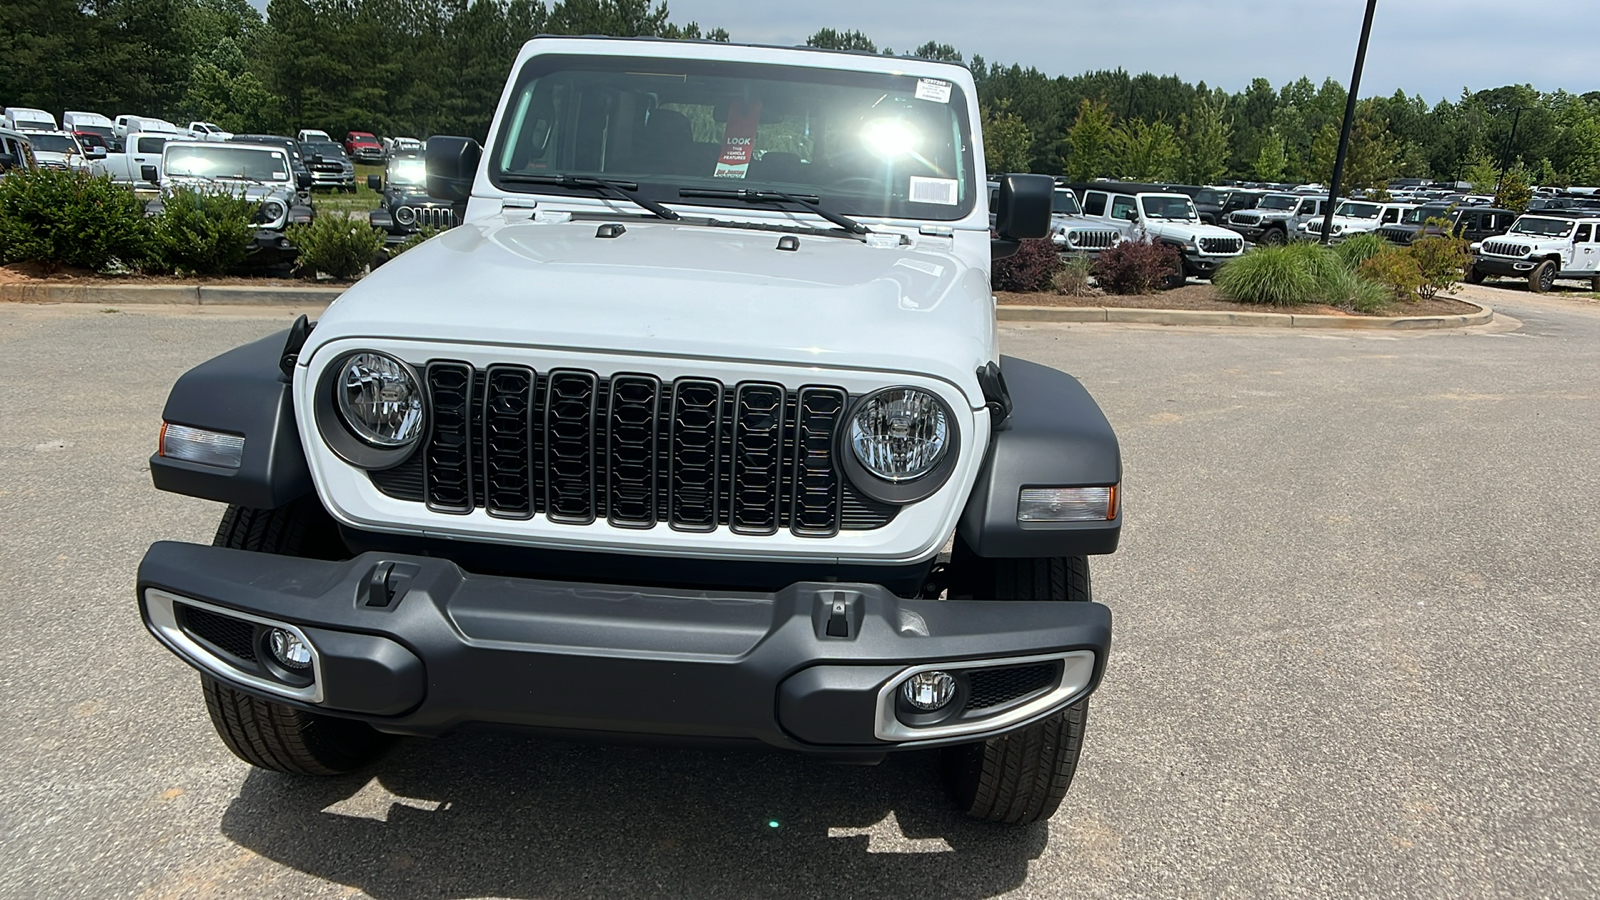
x: 1073, y: 232
x: 667, y: 440
x: 1353, y: 217
x: 405, y: 207
x: 1151, y: 213
x: 1542, y: 248
x: 1473, y: 223
x: 1277, y: 217
x: 257, y: 172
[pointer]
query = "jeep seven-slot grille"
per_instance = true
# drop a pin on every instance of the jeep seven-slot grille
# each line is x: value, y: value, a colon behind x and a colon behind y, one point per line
x: 1221, y: 244
x: 1397, y: 235
x: 1085, y: 239
x: 1505, y: 248
x: 634, y: 451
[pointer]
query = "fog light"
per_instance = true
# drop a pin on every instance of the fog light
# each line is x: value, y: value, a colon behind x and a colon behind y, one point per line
x: 212, y: 448
x: 929, y: 691
x: 288, y: 649
x: 1061, y: 504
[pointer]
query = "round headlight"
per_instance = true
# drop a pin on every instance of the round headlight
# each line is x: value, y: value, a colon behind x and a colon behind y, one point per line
x: 273, y: 211
x: 380, y: 400
x: 900, y: 434
x: 405, y: 215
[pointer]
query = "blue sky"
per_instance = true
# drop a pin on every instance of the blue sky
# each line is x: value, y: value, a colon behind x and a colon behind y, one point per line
x: 1427, y: 47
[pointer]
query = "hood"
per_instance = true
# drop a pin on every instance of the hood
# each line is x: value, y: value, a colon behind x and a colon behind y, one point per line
x: 1185, y: 230
x: 682, y: 291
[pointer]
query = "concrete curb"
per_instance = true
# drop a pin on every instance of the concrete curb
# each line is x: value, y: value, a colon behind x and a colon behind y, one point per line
x: 1012, y: 313
x: 191, y: 295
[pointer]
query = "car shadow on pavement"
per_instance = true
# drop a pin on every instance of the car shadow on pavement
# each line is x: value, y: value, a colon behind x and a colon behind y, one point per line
x: 509, y: 816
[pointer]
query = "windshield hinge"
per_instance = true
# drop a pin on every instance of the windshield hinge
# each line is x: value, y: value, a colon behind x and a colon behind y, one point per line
x: 995, y: 395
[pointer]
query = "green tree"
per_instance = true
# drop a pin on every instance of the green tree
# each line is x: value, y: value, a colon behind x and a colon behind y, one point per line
x: 1207, y: 137
x: 1481, y: 173
x: 1272, y: 159
x: 1089, y: 142
x: 1007, y: 142
x: 938, y: 52
x: 829, y: 39
x: 1515, y: 192
x: 1146, y: 151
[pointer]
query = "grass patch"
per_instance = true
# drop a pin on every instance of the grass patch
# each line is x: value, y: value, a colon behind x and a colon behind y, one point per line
x: 363, y: 200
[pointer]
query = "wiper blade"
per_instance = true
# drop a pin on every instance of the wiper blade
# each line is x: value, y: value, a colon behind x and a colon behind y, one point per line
x: 809, y: 202
x: 625, y: 189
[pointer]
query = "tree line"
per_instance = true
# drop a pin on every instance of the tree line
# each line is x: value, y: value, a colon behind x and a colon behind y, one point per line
x: 423, y: 67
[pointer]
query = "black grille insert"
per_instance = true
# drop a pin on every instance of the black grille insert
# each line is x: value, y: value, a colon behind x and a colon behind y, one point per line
x: 994, y: 687
x: 235, y: 637
x: 637, y: 452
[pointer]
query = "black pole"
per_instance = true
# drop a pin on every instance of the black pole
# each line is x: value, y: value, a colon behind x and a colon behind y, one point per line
x: 1349, y: 119
x: 1505, y: 155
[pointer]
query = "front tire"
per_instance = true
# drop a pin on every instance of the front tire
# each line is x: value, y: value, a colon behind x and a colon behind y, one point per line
x: 1473, y: 275
x: 1273, y: 237
x: 1020, y: 777
x: 265, y: 733
x: 1543, y: 277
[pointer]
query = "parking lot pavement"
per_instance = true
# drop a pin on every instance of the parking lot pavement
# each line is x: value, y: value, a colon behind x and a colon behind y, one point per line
x: 1356, y: 656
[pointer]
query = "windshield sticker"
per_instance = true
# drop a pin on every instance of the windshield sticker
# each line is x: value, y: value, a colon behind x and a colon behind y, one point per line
x: 738, y: 140
x: 936, y: 91
x: 933, y: 190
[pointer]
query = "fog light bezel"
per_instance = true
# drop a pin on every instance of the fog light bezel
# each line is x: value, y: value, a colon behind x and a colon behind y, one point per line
x: 161, y: 613
x: 1074, y: 679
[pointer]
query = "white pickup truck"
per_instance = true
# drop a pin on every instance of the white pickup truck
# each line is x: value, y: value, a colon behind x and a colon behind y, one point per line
x: 141, y: 149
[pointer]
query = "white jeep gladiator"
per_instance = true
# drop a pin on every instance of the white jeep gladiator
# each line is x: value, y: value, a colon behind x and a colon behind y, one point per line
x: 696, y: 428
x: 1149, y: 213
x: 1541, y: 248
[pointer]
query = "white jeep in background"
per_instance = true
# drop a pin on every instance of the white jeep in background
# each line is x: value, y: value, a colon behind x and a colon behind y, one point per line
x: 1073, y: 232
x: 1276, y: 217
x: 1164, y: 218
x: 1353, y: 217
x: 664, y: 441
x: 1542, y: 248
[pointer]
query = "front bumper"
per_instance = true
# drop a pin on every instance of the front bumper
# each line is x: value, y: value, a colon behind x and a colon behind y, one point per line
x: 1204, y: 266
x: 333, y: 179
x: 813, y: 667
x: 1499, y: 265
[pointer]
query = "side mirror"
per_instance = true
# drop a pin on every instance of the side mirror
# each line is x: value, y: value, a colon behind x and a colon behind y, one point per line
x: 375, y: 183
x: 303, y: 181
x: 7, y: 161
x: 148, y: 173
x: 97, y: 152
x: 452, y: 164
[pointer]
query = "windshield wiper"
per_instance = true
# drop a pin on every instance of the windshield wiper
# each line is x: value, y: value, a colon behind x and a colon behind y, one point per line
x: 749, y: 196
x: 625, y: 189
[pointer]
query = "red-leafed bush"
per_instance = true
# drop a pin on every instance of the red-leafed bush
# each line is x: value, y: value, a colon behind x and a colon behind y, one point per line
x: 1031, y: 269
x: 1136, y: 267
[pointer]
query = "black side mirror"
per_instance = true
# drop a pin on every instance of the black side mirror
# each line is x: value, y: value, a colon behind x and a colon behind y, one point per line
x: 303, y: 181
x: 1022, y: 212
x: 7, y: 161
x: 375, y: 183
x: 452, y: 165
x: 148, y: 173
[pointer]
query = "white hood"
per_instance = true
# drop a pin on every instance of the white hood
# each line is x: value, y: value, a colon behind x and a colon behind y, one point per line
x: 682, y: 291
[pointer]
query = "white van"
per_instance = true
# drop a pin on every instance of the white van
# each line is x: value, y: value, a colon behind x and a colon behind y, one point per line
x: 22, y: 118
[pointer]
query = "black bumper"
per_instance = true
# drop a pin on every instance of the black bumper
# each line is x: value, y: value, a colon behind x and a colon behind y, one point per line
x: 1517, y: 268
x: 1203, y: 266
x: 454, y: 648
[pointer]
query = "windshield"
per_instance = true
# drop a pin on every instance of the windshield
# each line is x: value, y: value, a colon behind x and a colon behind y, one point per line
x: 1423, y: 213
x: 1168, y: 207
x: 319, y: 148
x: 247, y: 163
x: 1542, y: 227
x: 1278, y: 202
x: 1066, y: 204
x: 406, y: 171
x: 861, y: 143
x: 1358, y: 210
x: 52, y: 143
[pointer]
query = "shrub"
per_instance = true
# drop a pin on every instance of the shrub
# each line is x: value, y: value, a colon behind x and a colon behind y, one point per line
x: 203, y: 232
x: 1343, y: 287
x: 64, y: 219
x: 422, y: 234
x: 1361, y: 248
x: 1073, y: 279
x: 1136, y: 267
x: 1396, y: 270
x: 1032, y: 268
x: 335, y: 245
x: 1272, y: 276
x: 1441, y: 259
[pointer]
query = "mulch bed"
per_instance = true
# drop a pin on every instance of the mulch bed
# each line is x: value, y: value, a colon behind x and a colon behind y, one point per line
x: 33, y: 272
x: 1204, y: 296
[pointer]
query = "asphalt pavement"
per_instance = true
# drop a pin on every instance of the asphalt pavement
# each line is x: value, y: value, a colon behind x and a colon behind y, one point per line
x: 1355, y: 656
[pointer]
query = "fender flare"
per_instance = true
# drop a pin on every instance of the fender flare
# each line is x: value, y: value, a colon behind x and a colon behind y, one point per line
x: 1055, y: 436
x: 242, y: 392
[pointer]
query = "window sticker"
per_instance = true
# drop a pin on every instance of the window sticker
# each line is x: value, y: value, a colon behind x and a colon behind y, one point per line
x: 930, y: 89
x: 738, y: 140
x: 933, y: 190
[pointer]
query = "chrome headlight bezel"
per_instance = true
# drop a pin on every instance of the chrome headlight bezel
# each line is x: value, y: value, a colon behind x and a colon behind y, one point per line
x: 911, y: 488
x: 343, y: 436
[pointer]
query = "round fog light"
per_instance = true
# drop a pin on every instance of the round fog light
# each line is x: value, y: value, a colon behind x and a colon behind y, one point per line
x: 288, y: 649
x: 929, y: 691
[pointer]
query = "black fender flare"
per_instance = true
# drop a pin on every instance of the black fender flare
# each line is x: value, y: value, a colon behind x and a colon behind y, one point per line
x: 1055, y: 436
x: 243, y: 392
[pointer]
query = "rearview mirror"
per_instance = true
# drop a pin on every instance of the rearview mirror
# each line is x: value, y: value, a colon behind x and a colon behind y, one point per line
x: 148, y: 173
x: 375, y: 183
x: 1022, y: 212
x: 452, y: 164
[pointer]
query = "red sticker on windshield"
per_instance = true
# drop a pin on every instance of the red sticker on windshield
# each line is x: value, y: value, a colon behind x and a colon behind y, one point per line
x: 739, y: 140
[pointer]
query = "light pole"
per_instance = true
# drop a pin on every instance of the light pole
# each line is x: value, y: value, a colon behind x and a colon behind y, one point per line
x: 1349, y: 119
x: 1505, y: 155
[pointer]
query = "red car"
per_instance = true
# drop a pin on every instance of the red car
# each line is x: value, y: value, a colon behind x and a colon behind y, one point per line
x: 362, y: 146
